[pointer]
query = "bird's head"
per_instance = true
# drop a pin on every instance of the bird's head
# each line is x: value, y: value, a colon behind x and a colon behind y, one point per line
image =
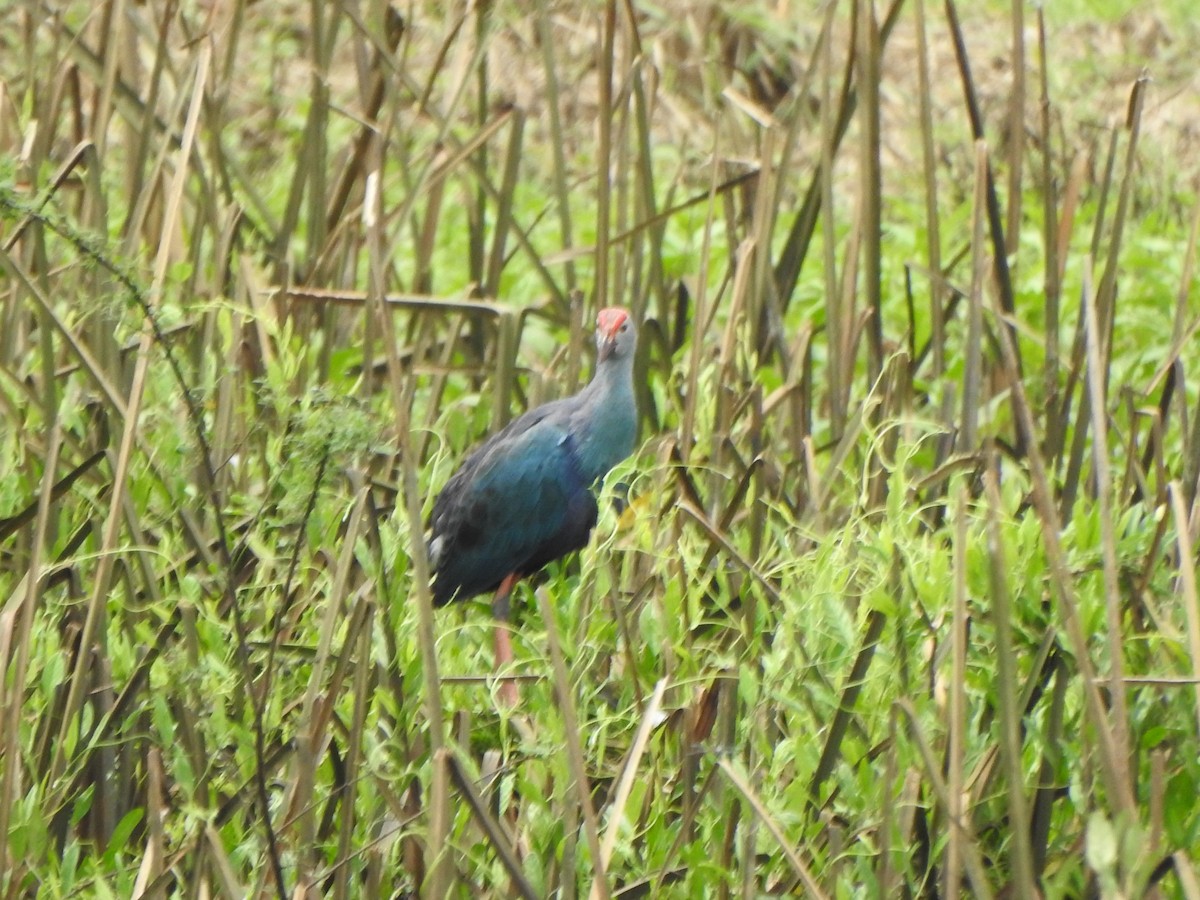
x: 616, y: 334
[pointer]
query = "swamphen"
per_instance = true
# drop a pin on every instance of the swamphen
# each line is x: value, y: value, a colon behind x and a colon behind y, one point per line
x: 524, y: 497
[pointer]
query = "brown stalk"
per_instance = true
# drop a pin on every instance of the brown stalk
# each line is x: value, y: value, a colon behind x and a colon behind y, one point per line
x: 760, y: 810
x: 629, y: 770
x: 222, y: 867
x: 836, y: 318
x: 438, y: 876
x: 932, y: 222
x: 972, y: 399
x: 644, y: 84
x: 95, y: 611
x: 867, y: 60
x: 477, y: 222
x: 363, y: 692
x: 1106, y: 293
x: 1016, y: 127
x: 701, y: 319
x: 503, y: 218
x: 1006, y: 678
x: 11, y: 524
x: 90, y: 365
x: 955, y: 752
x: 1186, y: 585
x: 372, y: 94
x: 722, y: 540
x: 995, y: 226
x: 972, y: 861
x: 1052, y: 281
x: 557, y: 137
x: 1097, y: 402
x: 311, y: 734
x: 604, y: 150
x: 15, y: 633
x: 575, y: 760
x: 1041, y: 809
x: 137, y: 179
x: 1114, y: 768
x: 851, y: 688
x: 791, y: 258
x: 156, y: 813
x: 1074, y: 465
x: 112, y: 26
x: 1058, y: 413
x: 498, y: 835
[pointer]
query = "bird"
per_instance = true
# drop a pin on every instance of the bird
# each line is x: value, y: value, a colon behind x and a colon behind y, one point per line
x: 526, y: 496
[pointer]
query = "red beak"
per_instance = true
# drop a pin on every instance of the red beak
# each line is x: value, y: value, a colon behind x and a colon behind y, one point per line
x: 608, y: 326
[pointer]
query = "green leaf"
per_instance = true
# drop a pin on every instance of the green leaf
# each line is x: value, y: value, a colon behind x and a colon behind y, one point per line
x: 121, y: 833
x: 1101, y: 844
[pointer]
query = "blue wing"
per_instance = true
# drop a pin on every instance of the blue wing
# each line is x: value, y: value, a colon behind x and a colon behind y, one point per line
x: 518, y: 502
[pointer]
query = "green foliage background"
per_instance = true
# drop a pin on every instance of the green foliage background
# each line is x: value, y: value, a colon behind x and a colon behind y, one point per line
x: 897, y: 596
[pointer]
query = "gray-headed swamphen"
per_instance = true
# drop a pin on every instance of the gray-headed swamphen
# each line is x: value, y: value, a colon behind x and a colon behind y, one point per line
x: 525, y: 497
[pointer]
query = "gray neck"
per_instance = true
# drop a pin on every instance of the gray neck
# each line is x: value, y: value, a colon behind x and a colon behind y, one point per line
x: 607, y: 417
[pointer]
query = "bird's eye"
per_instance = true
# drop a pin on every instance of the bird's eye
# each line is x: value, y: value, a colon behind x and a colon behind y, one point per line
x: 624, y: 326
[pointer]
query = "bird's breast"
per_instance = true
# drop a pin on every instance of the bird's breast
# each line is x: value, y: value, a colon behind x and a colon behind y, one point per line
x: 605, y: 445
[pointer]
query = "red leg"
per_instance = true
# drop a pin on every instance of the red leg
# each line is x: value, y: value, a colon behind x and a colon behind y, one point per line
x: 509, y: 693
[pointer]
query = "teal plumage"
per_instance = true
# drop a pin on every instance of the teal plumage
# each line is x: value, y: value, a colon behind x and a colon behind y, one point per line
x: 525, y: 497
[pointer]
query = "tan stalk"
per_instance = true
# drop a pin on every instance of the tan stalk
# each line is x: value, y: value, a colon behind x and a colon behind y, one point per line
x: 1113, y: 604
x: 16, y: 630
x: 108, y: 555
x: 1186, y: 586
x: 802, y: 870
x: 1011, y: 726
x: 956, y: 795
x: 575, y: 759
